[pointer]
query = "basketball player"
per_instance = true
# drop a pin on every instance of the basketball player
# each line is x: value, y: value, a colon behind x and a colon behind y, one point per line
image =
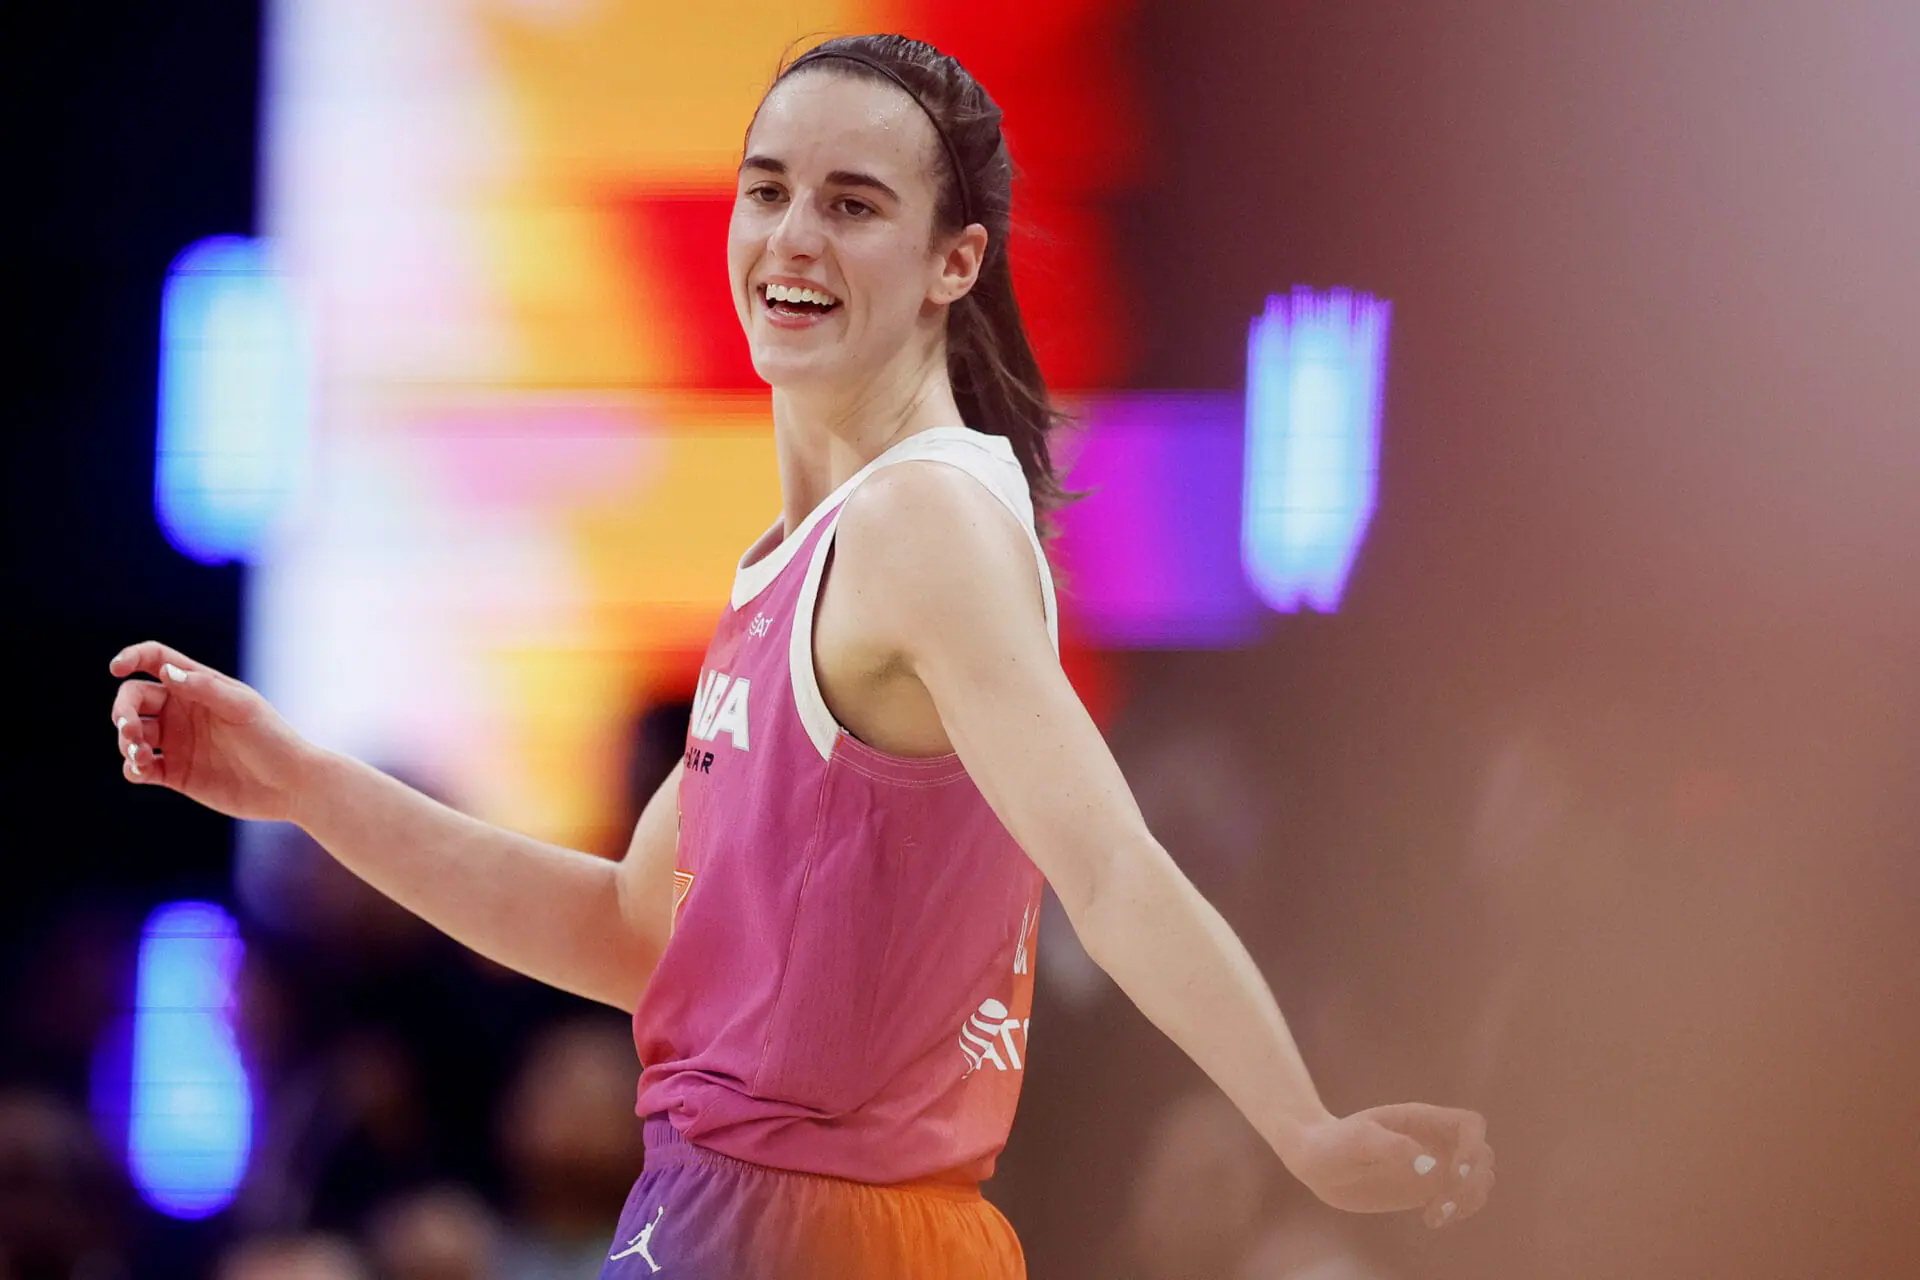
x: 825, y: 922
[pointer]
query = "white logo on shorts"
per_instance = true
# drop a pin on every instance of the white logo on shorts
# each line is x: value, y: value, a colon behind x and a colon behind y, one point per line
x: 639, y: 1243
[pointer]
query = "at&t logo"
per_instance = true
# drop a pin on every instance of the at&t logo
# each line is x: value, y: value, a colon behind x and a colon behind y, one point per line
x: 987, y: 1033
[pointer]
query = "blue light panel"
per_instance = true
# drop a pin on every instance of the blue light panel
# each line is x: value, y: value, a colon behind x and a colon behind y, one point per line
x: 233, y: 400
x: 1315, y: 368
x: 190, y: 1125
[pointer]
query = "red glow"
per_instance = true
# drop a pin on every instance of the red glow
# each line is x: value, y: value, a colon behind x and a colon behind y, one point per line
x: 680, y: 238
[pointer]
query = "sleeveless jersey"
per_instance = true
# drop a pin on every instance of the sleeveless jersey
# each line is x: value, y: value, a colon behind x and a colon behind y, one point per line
x: 847, y: 986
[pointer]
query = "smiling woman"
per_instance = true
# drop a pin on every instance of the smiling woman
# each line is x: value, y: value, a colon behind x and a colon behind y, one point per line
x: 826, y: 919
x: 892, y: 149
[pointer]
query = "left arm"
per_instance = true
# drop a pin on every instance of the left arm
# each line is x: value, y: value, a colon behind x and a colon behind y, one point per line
x: 946, y: 584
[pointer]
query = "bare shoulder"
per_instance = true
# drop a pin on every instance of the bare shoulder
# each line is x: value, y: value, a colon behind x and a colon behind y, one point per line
x: 929, y: 548
x: 931, y: 502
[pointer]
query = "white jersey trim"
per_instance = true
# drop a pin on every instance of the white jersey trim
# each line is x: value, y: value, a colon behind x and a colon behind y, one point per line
x: 749, y: 580
x: 988, y: 459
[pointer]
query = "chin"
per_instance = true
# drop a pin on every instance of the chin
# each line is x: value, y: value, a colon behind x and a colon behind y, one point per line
x: 795, y: 370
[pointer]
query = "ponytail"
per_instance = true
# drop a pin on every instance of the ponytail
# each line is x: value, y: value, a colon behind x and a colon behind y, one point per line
x: 997, y: 381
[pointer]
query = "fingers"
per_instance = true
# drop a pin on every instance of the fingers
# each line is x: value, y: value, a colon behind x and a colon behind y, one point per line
x: 136, y: 711
x: 1469, y: 1137
x: 1456, y: 1140
x: 1473, y: 1195
x: 1401, y: 1171
x: 1437, y: 1192
x: 1472, y: 1164
x: 1413, y: 1168
x: 220, y: 694
x: 152, y: 658
x: 139, y: 763
x: 1433, y: 1127
x: 140, y: 758
x: 1445, y: 1203
x: 1456, y: 1206
x: 138, y: 698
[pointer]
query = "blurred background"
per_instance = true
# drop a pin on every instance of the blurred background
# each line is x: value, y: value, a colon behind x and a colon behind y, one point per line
x: 1500, y: 584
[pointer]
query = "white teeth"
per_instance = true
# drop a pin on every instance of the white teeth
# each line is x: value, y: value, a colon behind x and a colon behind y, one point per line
x: 787, y: 293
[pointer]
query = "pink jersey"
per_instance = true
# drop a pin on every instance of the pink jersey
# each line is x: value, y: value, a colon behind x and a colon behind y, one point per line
x: 848, y: 983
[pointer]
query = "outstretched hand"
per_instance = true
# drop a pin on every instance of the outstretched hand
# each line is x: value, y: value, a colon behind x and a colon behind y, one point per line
x: 1405, y: 1156
x: 204, y: 734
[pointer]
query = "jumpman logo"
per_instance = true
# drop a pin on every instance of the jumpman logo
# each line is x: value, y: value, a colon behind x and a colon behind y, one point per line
x: 639, y: 1243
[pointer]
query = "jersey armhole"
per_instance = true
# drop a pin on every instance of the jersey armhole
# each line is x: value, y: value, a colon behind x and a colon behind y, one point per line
x: 820, y: 724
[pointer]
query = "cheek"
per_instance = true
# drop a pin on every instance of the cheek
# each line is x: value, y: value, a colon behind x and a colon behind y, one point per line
x: 891, y: 283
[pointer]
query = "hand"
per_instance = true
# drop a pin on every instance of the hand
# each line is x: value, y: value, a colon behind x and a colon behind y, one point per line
x: 1405, y: 1156
x: 205, y: 735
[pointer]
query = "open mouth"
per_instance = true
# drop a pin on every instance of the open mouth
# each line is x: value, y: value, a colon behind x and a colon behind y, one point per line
x: 797, y: 303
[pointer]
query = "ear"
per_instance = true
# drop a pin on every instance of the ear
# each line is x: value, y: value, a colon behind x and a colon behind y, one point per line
x: 960, y: 265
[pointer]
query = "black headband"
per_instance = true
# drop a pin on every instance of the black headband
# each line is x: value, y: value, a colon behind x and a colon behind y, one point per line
x: 953, y: 157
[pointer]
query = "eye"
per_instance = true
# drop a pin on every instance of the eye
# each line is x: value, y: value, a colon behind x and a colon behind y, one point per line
x: 855, y: 208
x: 764, y: 193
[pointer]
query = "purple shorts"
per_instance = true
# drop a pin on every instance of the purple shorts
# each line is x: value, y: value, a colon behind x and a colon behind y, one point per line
x: 698, y: 1215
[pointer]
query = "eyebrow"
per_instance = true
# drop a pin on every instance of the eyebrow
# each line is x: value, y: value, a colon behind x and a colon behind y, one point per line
x: 837, y: 178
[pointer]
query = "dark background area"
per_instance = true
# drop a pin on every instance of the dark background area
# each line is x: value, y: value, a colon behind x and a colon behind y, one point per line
x: 135, y: 134
x: 1649, y: 528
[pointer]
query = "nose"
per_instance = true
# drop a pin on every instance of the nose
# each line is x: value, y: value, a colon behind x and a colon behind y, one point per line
x: 798, y: 235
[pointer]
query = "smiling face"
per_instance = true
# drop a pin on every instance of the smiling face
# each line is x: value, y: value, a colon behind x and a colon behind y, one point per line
x: 837, y: 274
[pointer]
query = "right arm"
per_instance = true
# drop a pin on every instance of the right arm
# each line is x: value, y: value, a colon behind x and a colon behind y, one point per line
x: 567, y: 918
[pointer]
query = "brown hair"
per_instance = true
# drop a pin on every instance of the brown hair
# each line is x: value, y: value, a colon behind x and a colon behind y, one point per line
x: 990, y: 362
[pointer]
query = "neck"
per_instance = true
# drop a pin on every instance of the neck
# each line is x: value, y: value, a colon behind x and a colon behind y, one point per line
x: 823, y: 437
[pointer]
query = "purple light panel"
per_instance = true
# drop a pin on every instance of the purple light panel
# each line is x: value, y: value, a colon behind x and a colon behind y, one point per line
x: 1151, y: 558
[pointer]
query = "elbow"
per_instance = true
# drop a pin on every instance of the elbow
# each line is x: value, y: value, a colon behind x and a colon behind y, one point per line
x: 1105, y: 902
x: 639, y: 938
x: 622, y: 982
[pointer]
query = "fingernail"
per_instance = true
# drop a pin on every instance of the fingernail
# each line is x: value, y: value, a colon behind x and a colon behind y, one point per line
x: 1447, y: 1210
x: 174, y: 673
x: 1466, y: 1171
x: 133, y: 753
x: 1423, y: 1165
x: 121, y: 723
